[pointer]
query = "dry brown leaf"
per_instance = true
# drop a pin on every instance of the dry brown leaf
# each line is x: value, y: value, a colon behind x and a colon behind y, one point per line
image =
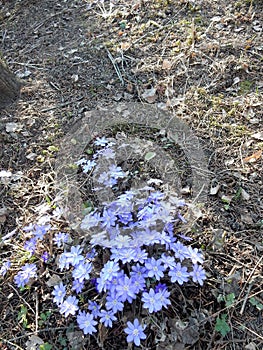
x: 254, y: 157
x: 167, y: 64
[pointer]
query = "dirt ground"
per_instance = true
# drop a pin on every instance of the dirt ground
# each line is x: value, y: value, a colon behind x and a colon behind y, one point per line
x: 201, y: 60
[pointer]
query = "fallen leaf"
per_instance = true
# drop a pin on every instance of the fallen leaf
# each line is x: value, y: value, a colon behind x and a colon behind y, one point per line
x: 149, y: 155
x: 214, y: 189
x: 53, y: 281
x: 167, y: 64
x: 4, y: 173
x: 245, y: 195
x: 150, y: 95
x: 13, y: 127
x: 258, y: 136
x: 254, y: 157
x: 33, y: 342
x: 24, y: 74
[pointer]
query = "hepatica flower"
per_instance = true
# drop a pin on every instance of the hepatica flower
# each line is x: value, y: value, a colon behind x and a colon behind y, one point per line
x: 69, y: 306
x: 137, y: 235
x: 106, y: 317
x: 27, y: 272
x: 74, y: 257
x: 135, y: 332
x: 60, y: 238
x: 179, y: 274
x: 31, y: 245
x: 59, y: 293
x: 155, y: 268
x: 152, y: 301
x: 82, y: 271
x: 5, y: 267
x: 198, y: 274
x: 86, y: 322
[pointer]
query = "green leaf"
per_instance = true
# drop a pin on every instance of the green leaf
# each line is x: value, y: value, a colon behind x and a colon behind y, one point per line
x: 45, y: 346
x: 53, y: 148
x: 221, y: 325
x: 230, y: 298
x: 253, y: 301
x: 149, y: 155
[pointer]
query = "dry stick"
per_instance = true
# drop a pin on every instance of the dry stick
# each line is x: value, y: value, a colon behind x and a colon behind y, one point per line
x: 116, y: 67
x: 10, y: 343
x: 10, y: 285
x: 249, y: 278
x: 250, y: 330
x: 61, y: 105
x: 245, y: 300
x: 37, y: 311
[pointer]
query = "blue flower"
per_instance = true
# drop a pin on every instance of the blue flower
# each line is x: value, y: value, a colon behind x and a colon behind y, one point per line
x: 139, y: 284
x: 27, y: 271
x: 45, y: 257
x: 110, y: 270
x: 125, y: 217
x: 108, y: 218
x: 77, y: 286
x: 122, y: 241
x: 63, y: 262
x: 138, y: 271
x: 113, y: 303
x: 195, y: 255
x: 107, y: 153
x: 164, y: 297
x: 61, y: 238
x: 125, y: 289
x: 106, y: 317
x: 5, y: 267
x: 59, y: 293
x: 168, y: 261
x: 179, y: 274
x: 180, y: 250
x: 90, y: 164
x: 82, y: 271
x: 90, y: 220
x: 135, y: 332
x: 94, y: 308
x: 31, y: 245
x: 116, y: 171
x: 155, y: 268
x: 86, y: 322
x: 140, y: 255
x: 74, y: 257
x: 126, y: 254
x: 69, y: 306
x: 198, y: 274
x: 40, y: 231
x: 151, y: 301
x: 155, y: 197
x: 101, y: 141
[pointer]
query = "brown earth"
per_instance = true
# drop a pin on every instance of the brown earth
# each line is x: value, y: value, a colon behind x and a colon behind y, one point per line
x: 202, y: 61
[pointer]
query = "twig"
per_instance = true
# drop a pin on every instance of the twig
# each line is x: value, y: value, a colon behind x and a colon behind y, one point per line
x: 116, y: 67
x: 37, y: 311
x: 245, y: 300
x: 10, y: 285
x: 61, y: 105
x: 10, y: 343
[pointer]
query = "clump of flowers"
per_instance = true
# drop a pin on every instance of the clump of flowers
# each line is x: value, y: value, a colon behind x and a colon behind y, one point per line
x: 135, y: 236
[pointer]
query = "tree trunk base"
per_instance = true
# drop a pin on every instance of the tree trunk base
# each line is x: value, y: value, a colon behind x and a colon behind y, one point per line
x: 9, y: 86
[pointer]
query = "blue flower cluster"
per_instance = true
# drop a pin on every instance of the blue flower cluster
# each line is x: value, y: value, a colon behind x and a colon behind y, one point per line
x: 144, y: 256
x: 136, y: 232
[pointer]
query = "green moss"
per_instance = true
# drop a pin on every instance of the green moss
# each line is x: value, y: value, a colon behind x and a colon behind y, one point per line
x: 245, y: 87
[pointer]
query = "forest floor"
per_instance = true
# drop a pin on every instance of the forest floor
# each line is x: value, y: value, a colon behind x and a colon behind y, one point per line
x: 198, y: 60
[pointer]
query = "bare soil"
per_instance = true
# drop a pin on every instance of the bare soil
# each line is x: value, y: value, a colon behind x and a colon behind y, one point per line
x: 200, y: 60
